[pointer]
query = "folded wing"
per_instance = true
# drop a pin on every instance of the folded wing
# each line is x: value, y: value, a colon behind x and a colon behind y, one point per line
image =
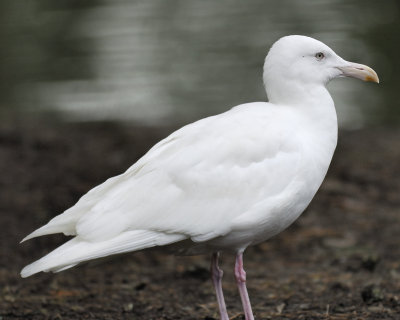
x: 193, y: 184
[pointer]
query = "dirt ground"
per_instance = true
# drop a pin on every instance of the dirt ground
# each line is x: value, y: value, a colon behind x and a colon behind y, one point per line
x: 340, y: 260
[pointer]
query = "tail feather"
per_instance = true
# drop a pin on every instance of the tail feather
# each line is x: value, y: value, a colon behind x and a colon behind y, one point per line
x: 63, y: 223
x: 78, y: 250
x: 51, y: 229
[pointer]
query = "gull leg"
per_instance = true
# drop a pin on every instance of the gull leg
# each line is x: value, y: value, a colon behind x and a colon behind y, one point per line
x: 216, y: 276
x: 240, y: 276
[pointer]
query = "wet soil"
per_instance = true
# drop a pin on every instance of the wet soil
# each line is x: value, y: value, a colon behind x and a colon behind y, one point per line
x: 340, y: 260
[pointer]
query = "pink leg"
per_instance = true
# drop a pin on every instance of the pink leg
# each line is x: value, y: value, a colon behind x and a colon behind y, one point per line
x: 240, y: 276
x: 216, y: 276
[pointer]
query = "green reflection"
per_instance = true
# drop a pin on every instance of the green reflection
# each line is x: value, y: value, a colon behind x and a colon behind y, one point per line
x: 158, y: 61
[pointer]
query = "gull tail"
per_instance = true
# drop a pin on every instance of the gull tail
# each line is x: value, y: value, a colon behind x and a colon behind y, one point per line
x: 63, y: 223
x: 67, y: 229
x: 78, y: 250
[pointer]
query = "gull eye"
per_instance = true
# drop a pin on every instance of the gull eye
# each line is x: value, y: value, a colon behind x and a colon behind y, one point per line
x: 319, y: 55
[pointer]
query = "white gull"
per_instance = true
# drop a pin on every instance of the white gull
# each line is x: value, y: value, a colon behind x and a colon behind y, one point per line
x: 221, y: 183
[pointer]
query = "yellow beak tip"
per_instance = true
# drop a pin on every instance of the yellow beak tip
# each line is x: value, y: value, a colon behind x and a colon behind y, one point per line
x: 372, y: 79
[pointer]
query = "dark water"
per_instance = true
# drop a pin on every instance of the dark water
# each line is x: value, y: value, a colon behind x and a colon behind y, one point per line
x: 161, y: 61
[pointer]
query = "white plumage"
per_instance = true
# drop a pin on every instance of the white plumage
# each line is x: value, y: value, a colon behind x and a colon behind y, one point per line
x: 224, y: 182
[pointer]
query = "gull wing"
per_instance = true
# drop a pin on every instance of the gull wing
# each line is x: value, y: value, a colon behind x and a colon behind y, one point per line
x: 199, y: 179
x: 201, y: 182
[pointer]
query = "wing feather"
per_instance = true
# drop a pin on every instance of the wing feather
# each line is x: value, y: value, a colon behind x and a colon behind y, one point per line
x: 198, y: 180
x: 202, y: 182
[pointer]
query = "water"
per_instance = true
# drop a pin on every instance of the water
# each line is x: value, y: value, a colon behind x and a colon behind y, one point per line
x: 158, y: 61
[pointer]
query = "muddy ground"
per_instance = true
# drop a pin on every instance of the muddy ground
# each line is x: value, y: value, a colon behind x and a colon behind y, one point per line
x: 340, y: 260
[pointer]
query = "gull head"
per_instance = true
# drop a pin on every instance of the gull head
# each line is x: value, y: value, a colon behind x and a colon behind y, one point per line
x: 296, y: 65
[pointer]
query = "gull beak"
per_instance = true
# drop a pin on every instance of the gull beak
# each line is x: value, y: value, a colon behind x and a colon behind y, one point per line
x: 359, y: 71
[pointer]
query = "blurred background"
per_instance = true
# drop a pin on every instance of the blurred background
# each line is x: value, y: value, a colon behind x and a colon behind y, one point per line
x: 157, y: 62
x: 87, y: 87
